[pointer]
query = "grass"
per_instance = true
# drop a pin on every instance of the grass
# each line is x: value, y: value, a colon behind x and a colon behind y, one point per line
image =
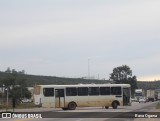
x: 158, y: 105
x: 25, y: 105
x: 19, y: 106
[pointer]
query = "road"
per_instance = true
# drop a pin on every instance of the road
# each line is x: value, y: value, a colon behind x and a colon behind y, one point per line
x: 93, y: 113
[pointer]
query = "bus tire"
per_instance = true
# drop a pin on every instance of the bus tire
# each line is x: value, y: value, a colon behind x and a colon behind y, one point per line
x: 106, y: 107
x: 72, y: 106
x: 114, y: 105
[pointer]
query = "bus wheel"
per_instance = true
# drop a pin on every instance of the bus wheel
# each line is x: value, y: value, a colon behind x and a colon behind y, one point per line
x: 72, y: 106
x: 106, y: 107
x: 114, y: 105
x: 64, y: 108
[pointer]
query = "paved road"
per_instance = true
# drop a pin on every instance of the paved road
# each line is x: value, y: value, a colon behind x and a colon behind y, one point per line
x: 76, y: 115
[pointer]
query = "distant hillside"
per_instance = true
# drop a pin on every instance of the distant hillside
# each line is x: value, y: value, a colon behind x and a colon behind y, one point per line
x: 35, y: 79
x: 148, y: 85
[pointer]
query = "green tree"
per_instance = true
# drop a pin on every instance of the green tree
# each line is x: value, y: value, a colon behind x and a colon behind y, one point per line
x: 9, y: 81
x: 16, y: 83
x: 8, y: 70
x: 14, y: 71
x: 133, y: 82
x: 123, y: 75
x: 21, y: 72
x: 19, y: 92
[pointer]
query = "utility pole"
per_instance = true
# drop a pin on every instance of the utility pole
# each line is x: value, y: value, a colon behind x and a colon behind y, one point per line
x: 7, y: 99
x: 88, y: 68
x: 3, y: 88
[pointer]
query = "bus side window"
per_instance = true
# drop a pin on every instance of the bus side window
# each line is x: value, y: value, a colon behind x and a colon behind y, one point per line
x: 71, y: 91
x: 104, y: 90
x: 59, y: 92
x: 93, y: 90
x: 116, y: 91
x: 82, y: 91
x: 48, y: 92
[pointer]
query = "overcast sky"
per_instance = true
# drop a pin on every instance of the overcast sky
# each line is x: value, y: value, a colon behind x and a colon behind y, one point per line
x: 58, y: 37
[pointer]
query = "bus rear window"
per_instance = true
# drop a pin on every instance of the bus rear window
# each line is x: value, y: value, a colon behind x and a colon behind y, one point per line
x: 48, y: 92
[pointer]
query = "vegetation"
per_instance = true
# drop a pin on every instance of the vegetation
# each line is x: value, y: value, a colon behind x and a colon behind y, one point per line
x: 158, y: 105
x: 14, y: 84
x: 20, y: 106
x: 13, y: 77
x: 123, y: 75
x: 145, y: 85
x: 31, y: 80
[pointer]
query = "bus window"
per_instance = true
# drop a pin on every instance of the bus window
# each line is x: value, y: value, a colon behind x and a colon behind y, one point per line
x: 82, y: 91
x: 116, y: 91
x: 93, y: 90
x: 59, y: 92
x: 71, y: 91
x: 104, y: 90
x: 48, y: 92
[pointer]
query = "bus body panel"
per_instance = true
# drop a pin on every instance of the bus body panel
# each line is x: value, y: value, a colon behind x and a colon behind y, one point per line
x: 81, y: 101
x: 48, y: 102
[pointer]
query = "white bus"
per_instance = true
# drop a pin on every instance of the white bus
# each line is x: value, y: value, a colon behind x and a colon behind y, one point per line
x: 82, y: 95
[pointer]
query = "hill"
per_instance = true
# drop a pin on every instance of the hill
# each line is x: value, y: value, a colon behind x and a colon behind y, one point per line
x: 148, y: 85
x: 31, y: 80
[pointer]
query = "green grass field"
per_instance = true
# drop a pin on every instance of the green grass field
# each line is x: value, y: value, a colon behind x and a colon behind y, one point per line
x: 158, y: 105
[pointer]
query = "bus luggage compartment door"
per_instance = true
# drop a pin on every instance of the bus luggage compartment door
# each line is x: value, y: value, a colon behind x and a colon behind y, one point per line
x: 60, y: 98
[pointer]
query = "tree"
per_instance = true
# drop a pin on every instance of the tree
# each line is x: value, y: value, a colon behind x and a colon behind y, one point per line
x: 19, y: 93
x: 9, y: 81
x: 14, y: 71
x: 133, y: 82
x: 21, y: 72
x: 8, y: 70
x: 16, y: 83
x: 123, y: 75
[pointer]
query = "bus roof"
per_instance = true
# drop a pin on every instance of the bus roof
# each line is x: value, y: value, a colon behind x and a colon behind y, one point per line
x: 86, y: 85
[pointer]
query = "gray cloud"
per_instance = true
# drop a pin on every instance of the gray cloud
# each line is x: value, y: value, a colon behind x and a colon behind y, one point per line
x: 58, y: 37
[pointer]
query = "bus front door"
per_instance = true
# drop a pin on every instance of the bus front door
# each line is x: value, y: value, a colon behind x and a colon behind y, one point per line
x: 126, y: 96
x: 59, y: 98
